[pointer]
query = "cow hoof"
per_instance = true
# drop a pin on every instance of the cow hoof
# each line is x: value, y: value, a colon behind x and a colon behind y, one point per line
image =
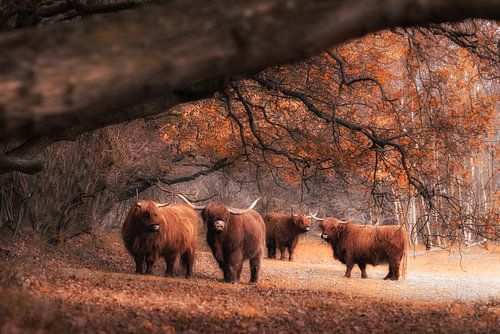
x: 231, y: 281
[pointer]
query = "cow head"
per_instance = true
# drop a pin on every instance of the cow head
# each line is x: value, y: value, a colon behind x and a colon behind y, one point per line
x: 148, y: 215
x: 216, y: 215
x: 331, y: 229
x: 301, y: 222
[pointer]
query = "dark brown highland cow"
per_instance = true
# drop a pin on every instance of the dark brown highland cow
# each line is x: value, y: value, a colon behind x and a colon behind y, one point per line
x: 154, y: 230
x: 355, y: 244
x: 234, y: 235
x: 282, y: 232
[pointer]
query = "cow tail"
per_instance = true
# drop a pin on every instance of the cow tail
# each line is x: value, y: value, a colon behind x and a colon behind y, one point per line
x: 406, y: 246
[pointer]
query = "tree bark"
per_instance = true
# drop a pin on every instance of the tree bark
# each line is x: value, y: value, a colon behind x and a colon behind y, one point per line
x: 57, y: 76
x: 22, y: 157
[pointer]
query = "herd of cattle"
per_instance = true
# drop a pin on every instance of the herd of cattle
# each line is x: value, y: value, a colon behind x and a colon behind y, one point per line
x: 152, y: 230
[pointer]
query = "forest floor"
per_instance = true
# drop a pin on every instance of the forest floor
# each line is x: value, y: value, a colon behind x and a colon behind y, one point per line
x: 87, y: 285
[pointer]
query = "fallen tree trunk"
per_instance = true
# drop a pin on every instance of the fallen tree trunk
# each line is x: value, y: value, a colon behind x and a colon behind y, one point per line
x: 55, y: 77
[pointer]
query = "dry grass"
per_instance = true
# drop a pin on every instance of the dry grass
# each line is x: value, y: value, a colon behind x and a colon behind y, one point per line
x: 87, y: 285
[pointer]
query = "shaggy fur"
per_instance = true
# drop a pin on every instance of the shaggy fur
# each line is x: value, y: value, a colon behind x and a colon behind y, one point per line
x: 282, y: 232
x: 234, y: 238
x: 150, y: 232
x: 354, y: 244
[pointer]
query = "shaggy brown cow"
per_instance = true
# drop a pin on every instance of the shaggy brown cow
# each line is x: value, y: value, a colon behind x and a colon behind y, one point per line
x: 152, y: 230
x: 282, y: 232
x: 354, y: 244
x: 234, y: 235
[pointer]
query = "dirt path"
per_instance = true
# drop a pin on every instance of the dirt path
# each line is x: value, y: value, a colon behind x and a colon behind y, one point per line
x: 87, y: 285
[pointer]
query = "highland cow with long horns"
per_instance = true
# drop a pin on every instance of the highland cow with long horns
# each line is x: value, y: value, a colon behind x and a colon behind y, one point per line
x: 355, y: 244
x: 153, y: 230
x: 234, y: 235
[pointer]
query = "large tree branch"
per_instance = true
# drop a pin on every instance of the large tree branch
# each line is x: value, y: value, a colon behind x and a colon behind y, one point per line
x: 32, y: 12
x: 34, y: 146
x: 57, y: 76
x: 8, y: 164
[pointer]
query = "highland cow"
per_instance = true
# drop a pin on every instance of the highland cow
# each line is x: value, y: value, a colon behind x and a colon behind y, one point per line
x: 234, y: 235
x: 282, y: 232
x: 354, y: 244
x: 153, y: 230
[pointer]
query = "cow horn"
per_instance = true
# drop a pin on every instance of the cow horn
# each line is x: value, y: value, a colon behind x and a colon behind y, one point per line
x: 196, y: 207
x: 314, y: 216
x: 161, y: 205
x: 242, y: 211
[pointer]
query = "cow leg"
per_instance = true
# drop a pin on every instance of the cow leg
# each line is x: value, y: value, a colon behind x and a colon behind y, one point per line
x: 291, y: 249
x: 254, y: 269
x: 290, y: 254
x: 222, y: 265
x: 150, y: 261
x: 187, y: 260
x: 271, y: 250
x: 282, y: 252
x: 362, y: 267
x: 170, y: 260
x: 240, y: 269
x: 389, y: 275
x: 349, y: 264
x: 226, y: 274
x: 149, y: 266
x: 395, y: 270
x: 139, y: 259
x: 233, y: 267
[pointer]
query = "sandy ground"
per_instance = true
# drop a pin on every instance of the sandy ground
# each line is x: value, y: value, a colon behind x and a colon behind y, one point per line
x: 87, y: 285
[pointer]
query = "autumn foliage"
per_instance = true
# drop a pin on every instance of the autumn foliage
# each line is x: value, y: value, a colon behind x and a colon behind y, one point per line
x: 403, y: 116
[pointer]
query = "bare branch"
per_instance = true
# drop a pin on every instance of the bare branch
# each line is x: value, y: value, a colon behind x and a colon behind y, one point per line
x: 146, y: 183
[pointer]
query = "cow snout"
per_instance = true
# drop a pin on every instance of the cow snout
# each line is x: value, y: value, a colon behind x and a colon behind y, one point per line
x: 219, y: 225
x: 324, y: 236
x: 154, y: 228
x: 307, y: 228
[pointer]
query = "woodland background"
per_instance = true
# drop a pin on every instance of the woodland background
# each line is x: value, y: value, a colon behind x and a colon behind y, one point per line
x: 396, y: 126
